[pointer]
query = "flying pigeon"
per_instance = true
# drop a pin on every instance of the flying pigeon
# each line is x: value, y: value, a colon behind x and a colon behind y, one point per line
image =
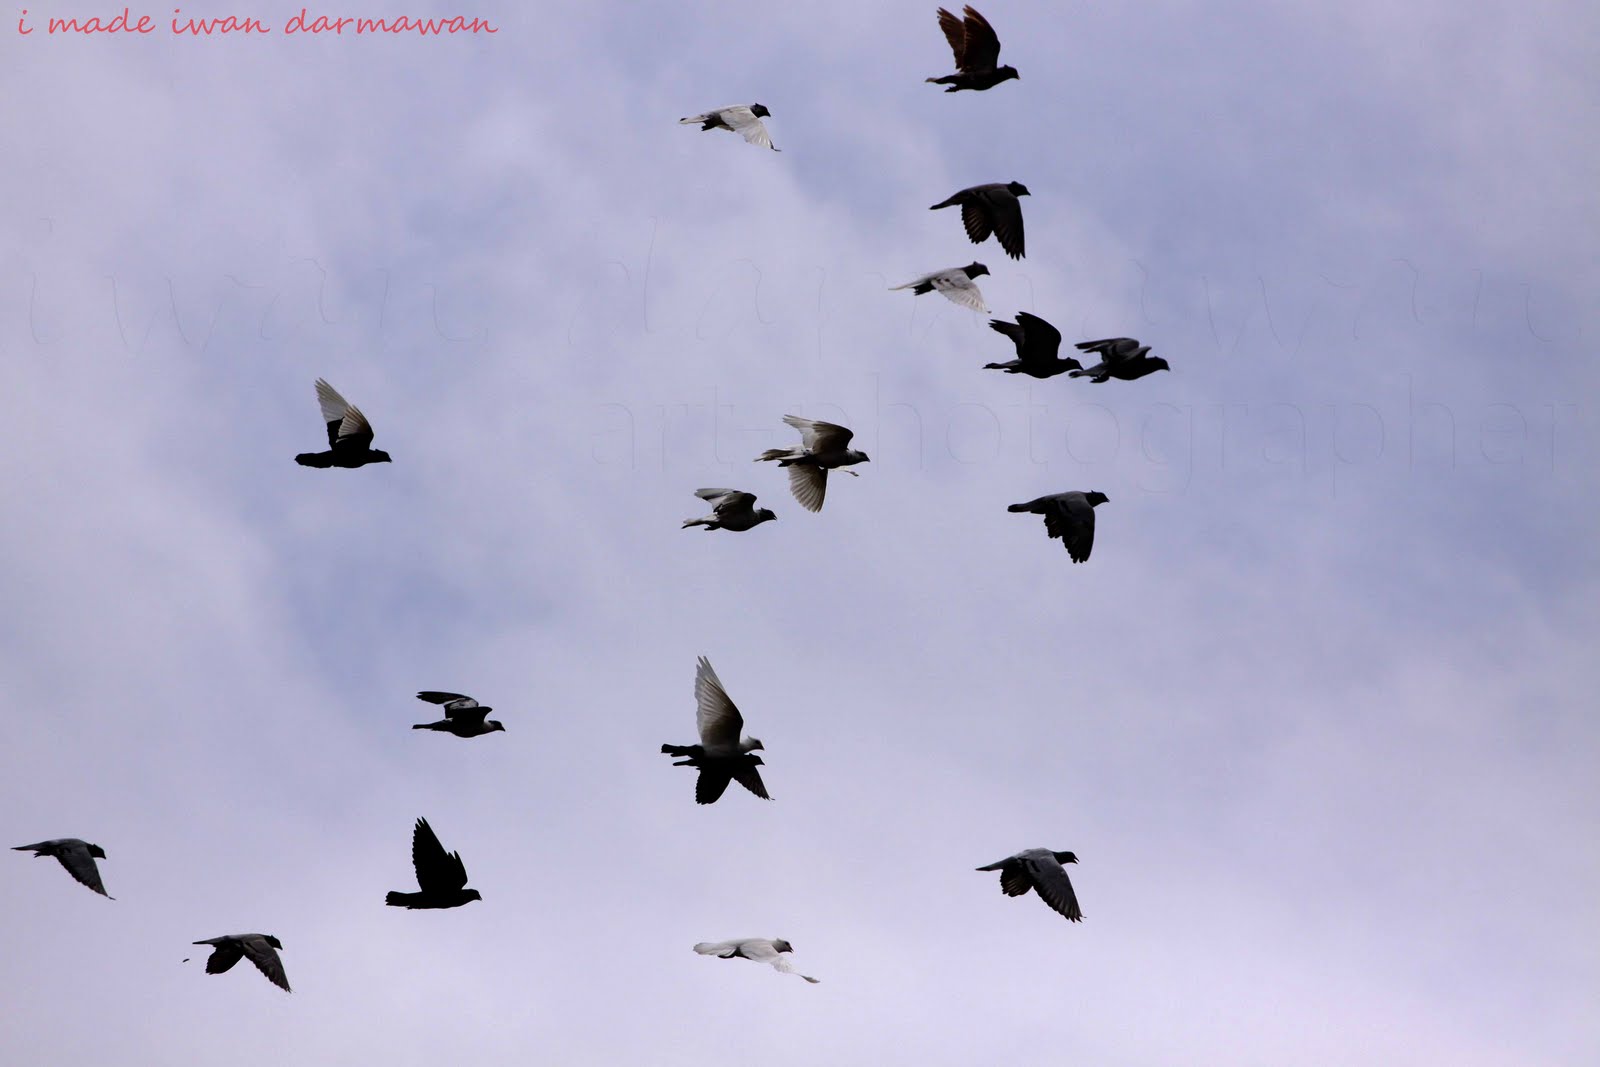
x: 1040, y: 869
x: 758, y: 949
x: 823, y: 447
x: 955, y: 283
x: 349, y: 434
x: 1037, y: 343
x: 1120, y: 357
x: 262, y: 949
x: 993, y: 208
x: 441, y: 875
x: 731, y: 509
x: 1069, y: 516
x: 76, y: 856
x: 736, y: 118
x: 722, y: 754
x: 463, y: 716
x: 977, y: 50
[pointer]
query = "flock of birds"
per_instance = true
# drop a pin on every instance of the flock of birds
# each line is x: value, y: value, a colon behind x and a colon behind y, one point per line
x: 725, y: 754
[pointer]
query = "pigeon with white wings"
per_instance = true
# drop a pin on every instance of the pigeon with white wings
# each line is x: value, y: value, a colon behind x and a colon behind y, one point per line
x: 758, y: 949
x: 76, y: 856
x: 731, y: 509
x: 1069, y: 516
x: 349, y: 434
x: 955, y: 283
x: 260, y: 949
x: 823, y: 446
x: 736, y: 118
x: 463, y: 716
x: 723, y: 754
x: 1041, y: 870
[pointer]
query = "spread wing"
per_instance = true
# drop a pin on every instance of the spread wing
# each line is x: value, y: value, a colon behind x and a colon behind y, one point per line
x: 733, y: 502
x: 1072, y: 520
x: 265, y: 957
x: 78, y: 861
x: 456, y: 705
x: 819, y: 437
x: 333, y: 405
x: 716, y: 716
x: 438, y: 871
x: 1050, y: 879
x: 975, y: 217
x: 354, y: 430
x: 1043, y: 341
x: 1111, y: 349
x: 711, y: 784
x: 763, y: 951
x: 959, y: 288
x: 748, y: 125
x: 749, y: 776
x: 1004, y: 213
x: 809, y: 485
x: 955, y: 31
x: 225, y: 953
x: 982, y: 48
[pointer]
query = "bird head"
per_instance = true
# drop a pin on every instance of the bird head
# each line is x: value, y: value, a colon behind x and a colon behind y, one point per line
x: 495, y: 724
x: 1095, y: 498
x: 857, y: 456
x: 97, y: 852
x: 1159, y: 364
x: 274, y: 942
x: 1018, y: 189
x: 760, y: 111
x: 972, y: 270
x: 780, y: 945
x: 751, y: 744
x: 1005, y: 73
x: 1065, y: 857
x: 380, y: 457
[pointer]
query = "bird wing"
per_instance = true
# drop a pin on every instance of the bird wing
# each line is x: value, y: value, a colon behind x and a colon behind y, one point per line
x: 1072, y: 520
x: 748, y: 125
x: 809, y: 485
x: 763, y: 951
x: 265, y: 957
x: 1003, y: 210
x: 955, y: 31
x: 733, y: 503
x: 820, y: 436
x: 78, y: 861
x: 959, y: 288
x: 975, y: 217
x: 748, y: 776
x: 716, y: 717
x: 713, y: 494
x: 225, y: 953
x: 982, y: 49
x: 1043, y: 339
x: 1013, y: 330
x: 1111, y: 349
x: 333, y: 405
x: 1050, y: 879
x: 711, y: 784
x: 354, y: 430
x: 438, y: 871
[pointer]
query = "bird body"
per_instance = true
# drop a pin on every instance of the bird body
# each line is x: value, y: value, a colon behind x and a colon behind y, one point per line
x: 349, y: 434
x: 76, y: 856
x: 1120, y: 357
x: 977, y: 52
x: 441, y: 876
x: 1069, y: 516
x: 1041, y: 870
x: 1038, y: 344
x: 823, y: 446
x: 731, y: 509
x: 260, y: 949
x: 724, y: 752
x: 991, y: 209
x: 736, y: 118
x: 463, y: 716
x: 954, y: 282
x: 759, y: 949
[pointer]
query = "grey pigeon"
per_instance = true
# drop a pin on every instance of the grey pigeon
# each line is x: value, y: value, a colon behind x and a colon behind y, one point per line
x: 1041, y: 870
x: 731, y: 509
x: 1038, y: 344
x: 995, y: 209
x: 261, y: 949
x: 954, y: 282
x: 463, y: 716
x: 1120, y: 357
x: 441, y: 876
x: 349, y: 434
x: 1069, y: 516
x: 76, y: 856
x: 758, y: 949
x: 723, y: 754
x: 977, y: 51
x: 823, y: 447
x: 736, y: 118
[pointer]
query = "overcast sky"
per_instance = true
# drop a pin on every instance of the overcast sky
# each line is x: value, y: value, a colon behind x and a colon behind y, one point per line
x: 1317, y: 717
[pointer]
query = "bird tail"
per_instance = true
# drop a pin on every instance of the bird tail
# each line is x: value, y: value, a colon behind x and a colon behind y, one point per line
x: 695, y: 522
x: 398, y: 900
x: 947, y: 203
x: 776, y: 453
x: 315, y: 459
x: 946, y: 80
x: 1079, y: 373
x: 1014, y: 507
x: 677, y: 750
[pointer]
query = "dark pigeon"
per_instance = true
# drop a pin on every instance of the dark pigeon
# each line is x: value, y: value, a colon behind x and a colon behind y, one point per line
x: 993, y: 208
x: 1041, y: 870
x: 76, y: 856
x: 1069, y: 516
x: 723, y: 754
x: 1038, y: 344
x: 977, y: 51
x: 1120, y: 357
x: 463, y: 716
x: 731, y: 509
x: 349, y: 434
x: 262, y: 950
x: 441, y: 875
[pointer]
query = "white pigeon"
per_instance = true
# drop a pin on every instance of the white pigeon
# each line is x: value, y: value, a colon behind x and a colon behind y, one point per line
x: 758, y: 949
x: 824, y: 446
x: 736, y: 118
x: 955, y: 283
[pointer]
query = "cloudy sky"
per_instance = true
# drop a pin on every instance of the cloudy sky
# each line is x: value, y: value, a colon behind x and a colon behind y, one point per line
x: 1316, y: 718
